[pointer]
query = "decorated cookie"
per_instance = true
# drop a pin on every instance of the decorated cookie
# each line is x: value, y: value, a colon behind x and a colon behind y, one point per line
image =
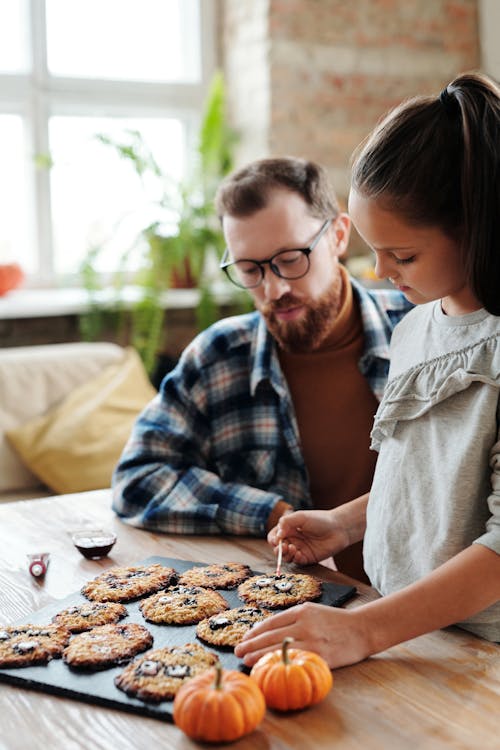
x: 107, y: 646
x: 26, y: 645
x: 182, y: 605
x: 223, y: 576
x: 89, y: 615
x: 228, y: 628
x: 125, y: 584
x: 158, y: 675
x: 273, y: 592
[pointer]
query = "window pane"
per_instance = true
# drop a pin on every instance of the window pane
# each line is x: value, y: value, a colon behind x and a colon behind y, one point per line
x: 98, y: 199
x: 13, y: 36
x: 16, y: 240
x: 150, y: 40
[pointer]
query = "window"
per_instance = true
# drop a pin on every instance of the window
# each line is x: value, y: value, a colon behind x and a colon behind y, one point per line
x: 71, y: 70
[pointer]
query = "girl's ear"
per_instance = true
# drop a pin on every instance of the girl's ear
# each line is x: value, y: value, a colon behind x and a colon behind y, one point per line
x: 341, y: 231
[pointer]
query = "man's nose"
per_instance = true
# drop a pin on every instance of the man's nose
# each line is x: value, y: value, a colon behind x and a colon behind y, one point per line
x: 274, y: 286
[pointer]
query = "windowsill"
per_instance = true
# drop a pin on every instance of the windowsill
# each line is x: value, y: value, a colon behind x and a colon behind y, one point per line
x: 46, y: 303
x: 41, y: 303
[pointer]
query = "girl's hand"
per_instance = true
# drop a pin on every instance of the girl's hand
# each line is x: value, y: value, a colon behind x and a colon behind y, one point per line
x: 308, y: 536
x: 336, y: 635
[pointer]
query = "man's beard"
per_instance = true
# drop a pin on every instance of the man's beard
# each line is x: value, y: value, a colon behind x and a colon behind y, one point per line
x: 311, y: 330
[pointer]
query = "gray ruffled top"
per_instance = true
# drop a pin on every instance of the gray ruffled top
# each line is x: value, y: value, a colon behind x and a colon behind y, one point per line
x: 420, y: 388
x: 436, y: 488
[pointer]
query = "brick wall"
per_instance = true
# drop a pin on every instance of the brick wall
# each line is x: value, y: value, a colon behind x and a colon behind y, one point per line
x: 244, y: 48
x: 311, y: 77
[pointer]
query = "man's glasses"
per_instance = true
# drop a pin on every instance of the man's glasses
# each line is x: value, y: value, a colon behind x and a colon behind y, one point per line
x: 287, y: 264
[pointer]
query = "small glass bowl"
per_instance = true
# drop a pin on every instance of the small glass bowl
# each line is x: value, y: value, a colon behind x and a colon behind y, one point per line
x: 93, y: 543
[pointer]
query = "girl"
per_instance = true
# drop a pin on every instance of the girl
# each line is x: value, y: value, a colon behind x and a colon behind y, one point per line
x: 425, y: 196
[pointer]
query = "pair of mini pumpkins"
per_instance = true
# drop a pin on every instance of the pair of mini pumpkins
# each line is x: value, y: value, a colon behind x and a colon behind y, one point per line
x: 221, y: 706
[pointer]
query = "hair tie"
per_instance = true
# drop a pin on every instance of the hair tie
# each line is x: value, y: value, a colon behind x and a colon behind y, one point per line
x: 448, y: 101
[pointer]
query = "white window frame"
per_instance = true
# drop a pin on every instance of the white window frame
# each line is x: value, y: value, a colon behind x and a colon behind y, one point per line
x: 37, y: 95
x: 489, y: 24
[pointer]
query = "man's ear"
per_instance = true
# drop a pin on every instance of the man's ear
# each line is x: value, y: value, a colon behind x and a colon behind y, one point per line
x: 341, y: 232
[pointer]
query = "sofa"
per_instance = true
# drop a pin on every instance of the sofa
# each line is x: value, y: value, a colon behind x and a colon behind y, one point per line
x: 66, y: 411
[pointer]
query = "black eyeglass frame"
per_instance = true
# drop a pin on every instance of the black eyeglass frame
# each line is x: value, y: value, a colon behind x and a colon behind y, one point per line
x: 225, y: 264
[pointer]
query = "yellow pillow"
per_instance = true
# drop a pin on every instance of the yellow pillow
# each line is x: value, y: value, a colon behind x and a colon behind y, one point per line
x: 75, y: 446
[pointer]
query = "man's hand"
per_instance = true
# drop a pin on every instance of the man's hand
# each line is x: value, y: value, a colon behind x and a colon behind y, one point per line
x: 309, y: 536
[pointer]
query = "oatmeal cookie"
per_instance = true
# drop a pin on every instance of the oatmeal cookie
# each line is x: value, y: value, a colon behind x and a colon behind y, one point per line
x: 107, y: 645
x: 228, y: 628
x: 217, y: 576
x: 285, y: 590
x: 27, y: 645
x: 182, y: 605
x: 158, y: 675
x: 89, y: 615
x: 125, y: 584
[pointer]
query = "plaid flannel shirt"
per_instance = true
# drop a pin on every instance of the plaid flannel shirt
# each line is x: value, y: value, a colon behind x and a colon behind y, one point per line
x: 219, y: 446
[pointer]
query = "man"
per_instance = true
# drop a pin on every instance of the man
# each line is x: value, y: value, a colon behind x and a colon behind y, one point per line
x: 269, y: 411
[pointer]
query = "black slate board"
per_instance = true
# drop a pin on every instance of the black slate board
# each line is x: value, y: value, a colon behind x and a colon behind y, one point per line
x: 98, y: 687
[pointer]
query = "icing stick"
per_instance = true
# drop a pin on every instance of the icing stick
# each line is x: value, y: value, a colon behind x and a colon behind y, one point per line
x: 280, y: 553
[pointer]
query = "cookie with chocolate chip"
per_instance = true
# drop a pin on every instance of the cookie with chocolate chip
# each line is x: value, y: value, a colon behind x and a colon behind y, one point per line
x: 89, y: 615
x: 27, y: 645
x: 228, y: 628
x: 107, y: 646
x: 125, y: 584
x: 182, y: 605
x: 217, y: 576
x: 158, y: 675
x: 274, y: 592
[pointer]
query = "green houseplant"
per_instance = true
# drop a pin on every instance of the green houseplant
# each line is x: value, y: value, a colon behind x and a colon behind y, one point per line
x: 175, y: 258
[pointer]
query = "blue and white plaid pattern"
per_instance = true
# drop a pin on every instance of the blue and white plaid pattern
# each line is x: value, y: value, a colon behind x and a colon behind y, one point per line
x: 219, y: 446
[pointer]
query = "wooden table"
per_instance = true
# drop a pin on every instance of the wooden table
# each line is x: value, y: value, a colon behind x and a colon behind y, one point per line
x: 438, y: 691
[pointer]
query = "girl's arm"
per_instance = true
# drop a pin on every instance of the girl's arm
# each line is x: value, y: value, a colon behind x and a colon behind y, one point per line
x: 309, y: 536
x: 458, y: 589
x: 461, y: 587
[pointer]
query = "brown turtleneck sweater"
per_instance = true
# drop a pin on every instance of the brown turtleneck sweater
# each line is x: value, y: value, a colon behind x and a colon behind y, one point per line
x: 335, y: 407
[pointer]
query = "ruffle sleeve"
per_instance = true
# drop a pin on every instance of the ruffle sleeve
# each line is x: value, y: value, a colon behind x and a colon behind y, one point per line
x: 414, y: 392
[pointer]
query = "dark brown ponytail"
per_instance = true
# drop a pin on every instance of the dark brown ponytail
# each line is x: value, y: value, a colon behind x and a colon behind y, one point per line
x: 436, y: 161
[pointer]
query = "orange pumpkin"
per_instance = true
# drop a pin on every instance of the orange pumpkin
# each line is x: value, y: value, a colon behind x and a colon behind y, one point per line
x: 291, y: 678
x: 219, y: 706
x: 11, y: 276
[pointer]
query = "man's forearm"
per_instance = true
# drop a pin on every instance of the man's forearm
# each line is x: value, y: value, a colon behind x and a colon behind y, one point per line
x: 188, y: 500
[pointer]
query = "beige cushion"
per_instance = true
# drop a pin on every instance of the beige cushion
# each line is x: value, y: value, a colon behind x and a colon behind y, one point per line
x: 75, y: 446
x: 34, y: 379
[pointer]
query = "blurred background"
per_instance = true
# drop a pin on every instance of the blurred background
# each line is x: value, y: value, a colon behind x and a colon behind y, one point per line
x: 119, y: 117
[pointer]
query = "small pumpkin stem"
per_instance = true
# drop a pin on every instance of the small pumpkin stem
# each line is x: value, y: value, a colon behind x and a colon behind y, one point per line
x: 284, y: 649
x: 218, y: 676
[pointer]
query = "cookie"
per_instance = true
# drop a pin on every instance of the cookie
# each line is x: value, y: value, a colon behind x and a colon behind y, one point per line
x: 273, y: 592
x: 89, y: 615
x: 158, y: 675
x: 182, y: 605
x: 107, y: 646
x: 223, y: 576
x: 27, y: 645
x: 228, y: 628
x: 125, y: 584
